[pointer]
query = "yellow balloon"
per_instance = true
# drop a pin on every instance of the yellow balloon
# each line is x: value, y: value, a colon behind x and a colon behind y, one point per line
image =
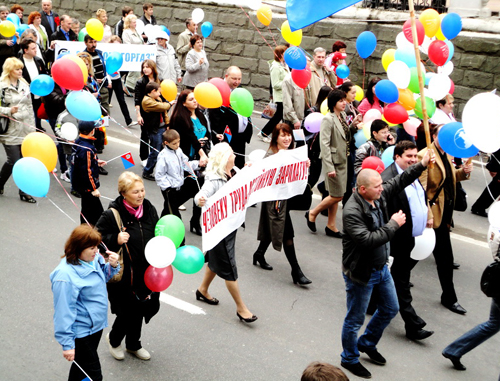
x: 324, y: 107
x: 294, y: 38
x: 265, y: 15
x: 81, y: 64
x: 431, y: 22
x: 41, y: 147
x: 168, y: 89
x: 7, y: 28
x: 367, y: 127
x: 388, y: 57
x: 439, y: 33
x: 406, y: 99
x: 207, y: 95
x: 95, y: 29
x: 360, y: 94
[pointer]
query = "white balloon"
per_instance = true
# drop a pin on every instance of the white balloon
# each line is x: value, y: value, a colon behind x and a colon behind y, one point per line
x: 424, y: 48
x: 256, y: 155
x: 447, y: 68
x: 139, y: 26
x: 399, y: 73
x: 69, y: 131
x: 439, y: 86
x: 402, y: 41
x: 424, y: 245
x: 149, y: 30
x: 254, y: 4
x: 494, y: 215
x: 198, y: 15
x: 481, y: 121
x: 160, y: 251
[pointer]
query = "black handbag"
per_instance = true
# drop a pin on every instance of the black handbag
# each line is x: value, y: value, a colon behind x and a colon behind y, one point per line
x: 460, y: 198
x: 301, y: 201
x: 490, y: 280
x: 4, y: 121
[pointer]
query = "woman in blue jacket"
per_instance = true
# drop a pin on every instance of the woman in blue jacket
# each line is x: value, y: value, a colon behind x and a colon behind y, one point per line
x: 81, y: 300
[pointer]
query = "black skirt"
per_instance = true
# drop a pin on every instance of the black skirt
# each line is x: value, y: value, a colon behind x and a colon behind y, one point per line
x: 221, y: 258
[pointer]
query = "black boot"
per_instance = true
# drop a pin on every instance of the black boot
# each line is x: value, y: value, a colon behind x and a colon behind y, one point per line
x: 297, y: 274
x: 259, y: 258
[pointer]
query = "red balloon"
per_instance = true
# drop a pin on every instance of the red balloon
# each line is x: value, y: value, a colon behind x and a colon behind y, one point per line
x: 224, y: 89
x: 420, y: 31
x: 395, y: 113
x: 438, y: 52
x: 68, y: 74
x: 452, y: 88
x: 301, y: 77
x: 158, y: 280
x: 373, y: 162
x: 42, y: 114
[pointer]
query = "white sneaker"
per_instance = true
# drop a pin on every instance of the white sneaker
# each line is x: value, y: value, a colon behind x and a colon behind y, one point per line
x: 55, y: 170
x: 133, y: 124
x: 65, y: 177
x: 110, y: 105
x: 141, y: 354
x: 182, y: 207
x: 144, y: 162
x: 265, y: 139
x: 117, y: 352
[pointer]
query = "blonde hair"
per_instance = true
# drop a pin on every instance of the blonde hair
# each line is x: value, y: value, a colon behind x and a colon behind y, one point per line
x: 128, y: 20
x: 10, y: 64
x: 114, y: 38
x: 87, y: 57
x: 127, y: 180
x: 100, y: 12
x: 218, y: 158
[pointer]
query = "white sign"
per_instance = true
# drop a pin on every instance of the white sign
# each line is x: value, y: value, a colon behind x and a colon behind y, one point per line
x: 277, y: 177
x: 133, y: 55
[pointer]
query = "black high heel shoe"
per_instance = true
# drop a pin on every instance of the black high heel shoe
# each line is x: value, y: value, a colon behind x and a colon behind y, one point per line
x: 258, y: 258
x: 203, y: 298
x: 27, y: 198
x: 196, y: 227
x: 299, y: 278
x: 330, y: 233
x: 1, y: 191
x: 247, y: 320
x: 310, y: 225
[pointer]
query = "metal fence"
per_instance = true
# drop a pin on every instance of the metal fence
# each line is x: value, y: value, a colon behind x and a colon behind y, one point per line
x: 402, y: 5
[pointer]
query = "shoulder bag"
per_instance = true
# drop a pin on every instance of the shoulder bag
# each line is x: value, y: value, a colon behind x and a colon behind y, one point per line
x: 490, y: 280
x: 4, y: 120
x: 118, y: 277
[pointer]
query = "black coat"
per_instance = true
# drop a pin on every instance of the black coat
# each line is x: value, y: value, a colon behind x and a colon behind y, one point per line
x: 85, y: 176
x: 46, y: 24
x: 55, y: 102
x: 130, y: 294
x: 58, y: 35
x: 360, y: 235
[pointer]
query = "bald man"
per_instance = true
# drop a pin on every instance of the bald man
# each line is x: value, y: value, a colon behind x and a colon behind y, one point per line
x: 368, y: 230
x: 240, y: 127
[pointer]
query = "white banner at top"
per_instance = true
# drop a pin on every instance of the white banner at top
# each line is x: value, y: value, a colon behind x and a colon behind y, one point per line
x: 278, y: 177
x: 133, y: 55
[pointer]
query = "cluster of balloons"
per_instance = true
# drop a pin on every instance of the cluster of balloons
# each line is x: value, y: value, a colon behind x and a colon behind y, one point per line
x: 164, y: 251
x: 11, y: 26
x: 216, y: 93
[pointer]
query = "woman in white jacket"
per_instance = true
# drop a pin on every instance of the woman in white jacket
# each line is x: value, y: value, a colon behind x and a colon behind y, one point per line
x: 166, y: 60
x: 196, y: 63
x: 16, y: 105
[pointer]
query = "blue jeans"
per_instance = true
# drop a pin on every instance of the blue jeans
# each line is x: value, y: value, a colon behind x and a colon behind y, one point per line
x: 478, y: 334
x: 358, y: 297
x: 155, y: 140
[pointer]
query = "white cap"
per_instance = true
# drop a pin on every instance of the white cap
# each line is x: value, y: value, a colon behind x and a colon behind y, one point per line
x: 162, y: 34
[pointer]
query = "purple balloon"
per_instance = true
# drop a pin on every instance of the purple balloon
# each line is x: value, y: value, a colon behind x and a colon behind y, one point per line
x: 312, y: 123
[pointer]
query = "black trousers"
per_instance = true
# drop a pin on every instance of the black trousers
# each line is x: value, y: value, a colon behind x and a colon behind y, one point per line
x: 13, y: 155
x: 278, y: 115
x: 91, y: 208
x: 485, y: 200
x: 86, y: 356
x: 128, y: 326
x: 443, y: 254
x: 117, y: 87
x: 143, y: 144
x: 175, y: 198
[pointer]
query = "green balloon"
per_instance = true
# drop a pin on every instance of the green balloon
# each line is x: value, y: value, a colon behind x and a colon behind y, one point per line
x: 171, y: 226
x: 430, y: 105
x: 81, y: 34
x: 242, y: 102
x: 414, y: 86
x: 188, y: 259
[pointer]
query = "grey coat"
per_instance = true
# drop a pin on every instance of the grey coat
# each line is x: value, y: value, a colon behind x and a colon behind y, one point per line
x: 195, y: 73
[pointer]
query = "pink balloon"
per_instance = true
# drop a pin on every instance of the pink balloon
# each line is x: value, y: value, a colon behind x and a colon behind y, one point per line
x: 420, y: 31
x: 373, y: 162
x: 312, y: 123
x: 371, y: 115
x: 411, y: 126
x: 158, y: 280
x: 452, y: 88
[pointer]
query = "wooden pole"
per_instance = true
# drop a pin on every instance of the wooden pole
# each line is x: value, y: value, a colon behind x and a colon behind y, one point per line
x: 419, y: 72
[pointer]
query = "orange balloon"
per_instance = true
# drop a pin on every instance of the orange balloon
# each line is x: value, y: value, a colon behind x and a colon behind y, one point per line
x: 265, y: 15
x: 41, y: 147
x: 208, y: 95
x: 406, y: 99
x: 81, y: 64
x: 168, y: 89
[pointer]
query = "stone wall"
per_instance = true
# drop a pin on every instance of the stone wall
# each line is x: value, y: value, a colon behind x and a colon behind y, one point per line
x: 235, y: 41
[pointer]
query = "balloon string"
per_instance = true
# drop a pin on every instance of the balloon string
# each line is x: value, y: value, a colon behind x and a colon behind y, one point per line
x: 485, y: 177
x: 364, y: 74
x: 257, y: 29
x: 272, y: 35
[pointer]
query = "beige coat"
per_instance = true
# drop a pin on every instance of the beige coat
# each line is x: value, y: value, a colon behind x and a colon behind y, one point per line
x: 183, y: 47
x: 320, y: 77
x: 293, y: 101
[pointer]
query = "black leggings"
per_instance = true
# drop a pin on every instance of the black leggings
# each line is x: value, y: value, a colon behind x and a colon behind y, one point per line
x: 86, y: 356
x: 117, y: 87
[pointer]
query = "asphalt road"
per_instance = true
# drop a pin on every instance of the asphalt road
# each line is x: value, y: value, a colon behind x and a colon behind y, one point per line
x: 296, y: 325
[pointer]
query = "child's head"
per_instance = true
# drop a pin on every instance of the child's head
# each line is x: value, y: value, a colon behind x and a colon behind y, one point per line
x: 86, y: 128
x: 153, y: 90
x: 322, y: 371
x: 172, y: 139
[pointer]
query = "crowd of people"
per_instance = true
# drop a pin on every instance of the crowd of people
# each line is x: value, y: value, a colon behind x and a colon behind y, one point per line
x: 191, y: 152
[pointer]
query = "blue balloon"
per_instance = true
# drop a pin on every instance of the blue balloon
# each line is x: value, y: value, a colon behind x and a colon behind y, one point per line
x: 83, y: 106
x: 206, y: 29
x: 31, y: 176
x: 14, y: 19
x: 42, y: 85
x: 342, y: 71
x: 114, y: 62
x: 387, y: 156
x: 22, y: 28
x: 451, y: 49
x: 295, y: 58
x: 454, y: 141
x: 428, y: 77
x: 407, y: 55
x: 386, y: 91
x: 366, y: 44
x: 165, y: 29
x: 451, y: 25
x: 359, y: 138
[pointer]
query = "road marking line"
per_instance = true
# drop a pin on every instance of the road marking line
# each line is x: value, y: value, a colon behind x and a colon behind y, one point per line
x: 121, y: 141
x: 181, y: 304
x: 472, y: 241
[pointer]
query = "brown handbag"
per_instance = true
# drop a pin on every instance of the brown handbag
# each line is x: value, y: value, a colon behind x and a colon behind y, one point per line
x: 118, y: 277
